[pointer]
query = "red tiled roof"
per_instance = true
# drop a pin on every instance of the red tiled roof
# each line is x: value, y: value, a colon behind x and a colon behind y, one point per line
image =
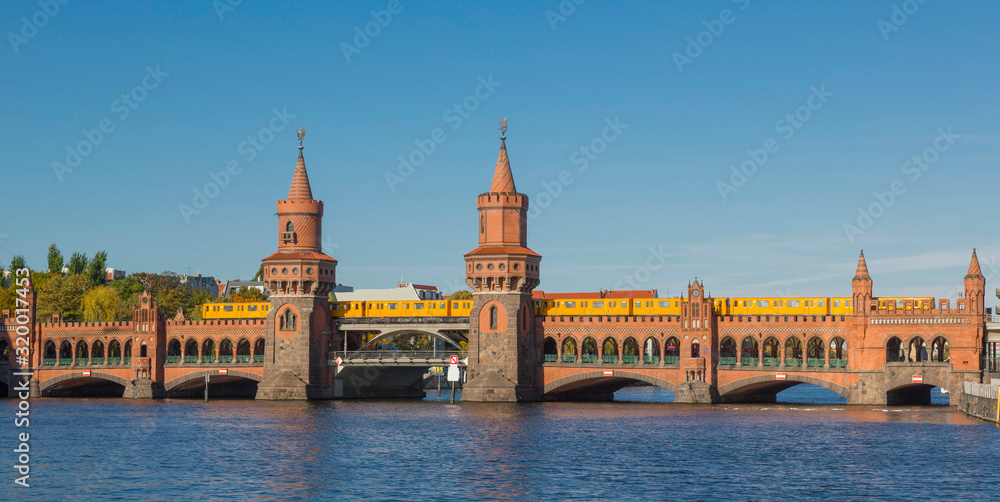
x: 299, y: 255
x: 516, y: 250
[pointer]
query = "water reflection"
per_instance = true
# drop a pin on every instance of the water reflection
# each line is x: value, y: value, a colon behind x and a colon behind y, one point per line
x: 644, y: 448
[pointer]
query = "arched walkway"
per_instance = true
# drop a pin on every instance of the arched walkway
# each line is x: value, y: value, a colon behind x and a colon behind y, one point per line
x: 381, y: 337
x: 594, y: 385
x: 235, y: 383
x: 764, y: 388
x: 76, y: 384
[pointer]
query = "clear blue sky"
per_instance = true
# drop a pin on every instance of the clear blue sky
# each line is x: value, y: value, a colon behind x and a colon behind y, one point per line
x: 887, y: 88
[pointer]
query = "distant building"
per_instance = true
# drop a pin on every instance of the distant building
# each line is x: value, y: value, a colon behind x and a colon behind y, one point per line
x: 650, y: 293
x: 234, y: 286
x: 401, y: 293
x: 114, y: 273
x: 198, y: 281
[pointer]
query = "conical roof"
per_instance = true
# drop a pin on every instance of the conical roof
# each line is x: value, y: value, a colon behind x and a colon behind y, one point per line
x: 300, y: 189
x: 503, y: 180
x: 862, y: 272
x: 974, y: 270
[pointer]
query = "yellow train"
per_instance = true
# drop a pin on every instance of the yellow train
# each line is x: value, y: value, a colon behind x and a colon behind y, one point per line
x: 426, y: 308
x: 585, y: 307
x: 256, y: 310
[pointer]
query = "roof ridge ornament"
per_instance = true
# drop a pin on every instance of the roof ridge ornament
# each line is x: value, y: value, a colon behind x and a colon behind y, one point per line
x: 302, y: 135
x: 503, y: 128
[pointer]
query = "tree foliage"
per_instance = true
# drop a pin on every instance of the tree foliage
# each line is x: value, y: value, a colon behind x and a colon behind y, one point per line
x: 17, y: 263
x: 96, y: 269
x: 244, y: 295
x: 77, y: 264
x: 463, y: 294
x: 55, y: 260
x: 103, y: 304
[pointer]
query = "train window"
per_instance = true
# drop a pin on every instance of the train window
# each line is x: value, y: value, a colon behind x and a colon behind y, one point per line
x: 836, y: 303
x: 762, y: 303
x: 393, y: 306
x: 665, y: 303
x: 899, y: 303
x: 454, y: 305
x: 793, y: 303
x: 571, y: 305
x: 227, y: 308
x: 597, y: 305
x: 638, y: 304
x: 821, y: 303
x: 418, y: 305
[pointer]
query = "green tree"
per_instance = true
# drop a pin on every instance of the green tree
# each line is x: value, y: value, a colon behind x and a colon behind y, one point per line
x: 102, y: 304
x: 128, y: 290
x: 55, y: 260
x: 259, y: 276
x: 17, y: 263
x: 243, y: 295
x: 77, y: 264
x: 70, y: 296
x: 96, y: 268
x: 198, y: 298
x: 463, y: 294
x: 48, y: 297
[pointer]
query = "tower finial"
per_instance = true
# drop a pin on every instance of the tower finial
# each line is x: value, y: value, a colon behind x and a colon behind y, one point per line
x: 302, y: 135
x: 503, y: 128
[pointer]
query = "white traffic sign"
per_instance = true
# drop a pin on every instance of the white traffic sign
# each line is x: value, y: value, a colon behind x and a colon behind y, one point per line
x: 454, y: 374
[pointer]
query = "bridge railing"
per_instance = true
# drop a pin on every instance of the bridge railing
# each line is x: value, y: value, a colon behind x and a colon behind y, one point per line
x: 392, y: 355
x: 981, y: 389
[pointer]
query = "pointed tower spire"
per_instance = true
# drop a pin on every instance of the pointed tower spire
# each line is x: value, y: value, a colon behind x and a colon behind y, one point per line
x: 974, y: 271
x: 300, y: 189
x: 862, y: 272
x: 503, y: 179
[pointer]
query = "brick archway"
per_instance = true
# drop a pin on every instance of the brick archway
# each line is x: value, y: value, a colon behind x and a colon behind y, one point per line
x: 200, y: 375
x: 748, y: 385
x: 599, y: 376
x: 48, y: 384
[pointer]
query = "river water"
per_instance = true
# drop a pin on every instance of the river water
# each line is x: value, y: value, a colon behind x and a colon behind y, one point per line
x: 642, y: 449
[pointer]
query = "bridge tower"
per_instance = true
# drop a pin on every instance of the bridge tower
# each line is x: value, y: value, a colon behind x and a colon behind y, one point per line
x: 861, y: 292
x: 502, y: 273
x: 975, y: 287
x: 300, y: 277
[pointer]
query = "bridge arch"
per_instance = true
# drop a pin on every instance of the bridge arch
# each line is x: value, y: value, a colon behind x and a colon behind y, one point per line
x: 746, y: 388
x: 598, y: 383
x: 200, y: 377
x: 61, y: 382
x: 410, y: 331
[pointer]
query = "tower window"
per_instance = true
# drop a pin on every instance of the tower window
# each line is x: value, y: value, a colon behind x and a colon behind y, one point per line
x: 493, y: 318
x: 289, y: 227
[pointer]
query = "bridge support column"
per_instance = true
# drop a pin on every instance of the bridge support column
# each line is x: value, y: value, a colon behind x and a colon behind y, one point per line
x: 696, y: 393
x: 144, y: 388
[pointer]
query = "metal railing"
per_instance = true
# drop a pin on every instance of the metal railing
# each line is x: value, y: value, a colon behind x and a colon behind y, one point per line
x: 815, y: 362
x: 771, y: 361
x: 569, y: 358
x: 392, y: 355
x: 258, y: 358
x: 114, y: 360
x: 981, y: 389
x: 173, y: 359
x: 589, y: 358
x: 838, y: 363
x: 651, y: 360
x: 672, y: 360
x: 244, y: 358
x: 609, y: 359
x: 49, y: 361
x: 126, y: 360
x: 727, y: 361
x: 551, y: 358
x: 225, y: 359
x: 630, y: 359
x: 749, y: 361
x: 208, y: 359
x: 793, y: 361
